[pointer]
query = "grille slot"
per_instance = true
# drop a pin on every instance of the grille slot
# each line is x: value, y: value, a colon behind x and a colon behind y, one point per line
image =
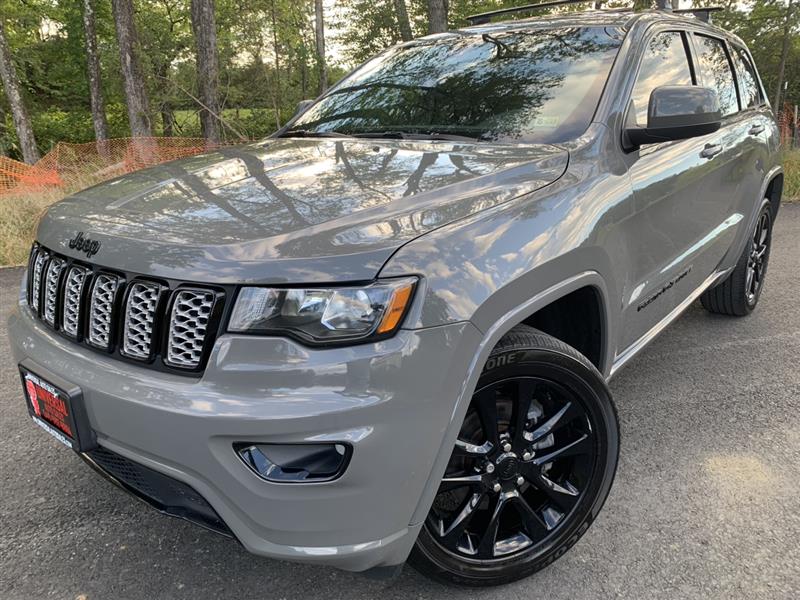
x: 140, y: 311
x: 73, y: 292
x: 36, y: 280
x: 101, y: 308
x: 188, y: 325
x: 51, y: 290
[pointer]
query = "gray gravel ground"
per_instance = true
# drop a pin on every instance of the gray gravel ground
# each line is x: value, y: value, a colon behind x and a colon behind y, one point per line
x: 706, y: 503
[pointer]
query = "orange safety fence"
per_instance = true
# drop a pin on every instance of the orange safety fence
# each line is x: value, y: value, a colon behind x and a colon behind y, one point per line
x: 788, y: 125
x: 72, y: 167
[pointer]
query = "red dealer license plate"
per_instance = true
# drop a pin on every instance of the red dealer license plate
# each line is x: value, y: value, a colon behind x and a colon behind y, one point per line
x: 57, y: 412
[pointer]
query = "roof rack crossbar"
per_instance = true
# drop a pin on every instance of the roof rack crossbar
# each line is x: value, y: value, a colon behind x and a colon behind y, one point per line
x: 483, y: 18
x: 702, y: 13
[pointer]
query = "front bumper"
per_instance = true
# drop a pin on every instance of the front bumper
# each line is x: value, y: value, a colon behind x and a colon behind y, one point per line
x: 392, y: 401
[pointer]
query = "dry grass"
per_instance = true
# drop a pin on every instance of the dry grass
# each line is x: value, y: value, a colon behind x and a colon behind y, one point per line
x: 791, y: 167
x: 19, y: 215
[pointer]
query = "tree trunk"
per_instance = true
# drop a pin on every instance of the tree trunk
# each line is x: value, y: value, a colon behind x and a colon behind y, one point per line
x: 402, y: 20
x: 276, y: 87
x: 19, y: 114
x: 93, y: 70
x: 437, y: 16
x: 320, y: 33
x: 135, y: 91
x: 3, y: 149
x: 167, y: 119
x: 787, y: 30
x: 205, y: 34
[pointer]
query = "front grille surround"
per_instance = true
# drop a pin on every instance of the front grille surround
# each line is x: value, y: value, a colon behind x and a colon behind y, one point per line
x: 127, y: 315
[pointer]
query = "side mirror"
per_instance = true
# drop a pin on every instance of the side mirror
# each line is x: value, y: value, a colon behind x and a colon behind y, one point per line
x: 677, y: 112
x: 302, y: 107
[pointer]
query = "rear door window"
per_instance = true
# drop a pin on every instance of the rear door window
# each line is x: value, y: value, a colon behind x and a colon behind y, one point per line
x: 749, y: 87
x: 664, y: 62
x: 716, y: 72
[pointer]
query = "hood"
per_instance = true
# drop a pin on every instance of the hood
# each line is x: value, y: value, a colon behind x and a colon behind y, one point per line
x: 292, y: 210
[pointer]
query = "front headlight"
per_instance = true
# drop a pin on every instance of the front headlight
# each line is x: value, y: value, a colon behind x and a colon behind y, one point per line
x: 324, y: 315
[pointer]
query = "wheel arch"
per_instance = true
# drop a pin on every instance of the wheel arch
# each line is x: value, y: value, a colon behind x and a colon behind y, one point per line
x: 774, y: 191
x: 589, y: 280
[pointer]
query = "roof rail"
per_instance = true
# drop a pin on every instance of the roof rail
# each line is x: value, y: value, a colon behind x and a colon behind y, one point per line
x: 704, y: 14
x: 483, y: 18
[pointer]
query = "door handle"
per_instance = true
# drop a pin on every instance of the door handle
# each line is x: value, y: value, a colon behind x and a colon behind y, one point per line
x: 710, y: 151
x: 756, y: 129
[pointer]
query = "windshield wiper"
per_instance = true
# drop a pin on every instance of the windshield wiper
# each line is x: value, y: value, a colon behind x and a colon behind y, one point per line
x: 409, y: 135
x: 312, y: 134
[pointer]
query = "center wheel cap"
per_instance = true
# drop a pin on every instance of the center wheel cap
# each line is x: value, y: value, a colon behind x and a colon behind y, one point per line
x: 507, y: 468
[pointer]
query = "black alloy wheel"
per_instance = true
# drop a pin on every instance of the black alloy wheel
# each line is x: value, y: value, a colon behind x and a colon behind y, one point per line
x: 757, y: 262
x: 531, y: 466
x: 739, y: 293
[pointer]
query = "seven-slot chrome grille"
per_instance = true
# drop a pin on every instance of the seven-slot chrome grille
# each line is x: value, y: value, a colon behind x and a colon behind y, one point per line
x: 122, y: 313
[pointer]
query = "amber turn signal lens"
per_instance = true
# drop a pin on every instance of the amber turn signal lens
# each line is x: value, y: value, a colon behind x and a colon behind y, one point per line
x: 396, y: 309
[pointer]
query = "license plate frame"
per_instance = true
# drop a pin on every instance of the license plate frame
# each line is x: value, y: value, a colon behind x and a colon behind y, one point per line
x: 57, y: 407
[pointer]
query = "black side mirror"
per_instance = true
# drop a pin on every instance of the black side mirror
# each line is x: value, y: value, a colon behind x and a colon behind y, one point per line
x: 302, y: 107
x: 677, y: 112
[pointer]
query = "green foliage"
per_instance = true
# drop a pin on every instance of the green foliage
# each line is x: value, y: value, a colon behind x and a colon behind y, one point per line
x: 267, y: 57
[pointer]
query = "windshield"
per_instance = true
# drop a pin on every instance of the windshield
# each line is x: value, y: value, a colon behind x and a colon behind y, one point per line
x: 521, y: 86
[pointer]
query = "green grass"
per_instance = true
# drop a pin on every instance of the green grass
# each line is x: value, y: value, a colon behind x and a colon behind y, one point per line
x: 791, y: 185
x: 19, y: 215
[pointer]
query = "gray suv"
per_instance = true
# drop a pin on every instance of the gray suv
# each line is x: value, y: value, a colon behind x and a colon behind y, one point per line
x: 386, y: 332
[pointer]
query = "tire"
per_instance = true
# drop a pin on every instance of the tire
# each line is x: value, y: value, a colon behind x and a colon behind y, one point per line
x: 536, y: 455
x: 738, y: 295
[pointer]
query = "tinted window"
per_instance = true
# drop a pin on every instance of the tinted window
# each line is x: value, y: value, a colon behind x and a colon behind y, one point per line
x: 715, y: 70
x: 540, y: 85
x: 664, y: 62
x: 748, y: 81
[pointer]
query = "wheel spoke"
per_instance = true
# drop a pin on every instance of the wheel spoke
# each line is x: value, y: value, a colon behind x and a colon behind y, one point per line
x: 564, y: 496
x: 487, y: 412
x: 561, y: 418
x: 453, y: 532
x: 487, y: 542
x: 463, y: 448
x: 762, y: 238
x: 452, y: 483
x: 583, y: 445
x: 749, y: 281
x: 525, y: 392
x: 534, y: 525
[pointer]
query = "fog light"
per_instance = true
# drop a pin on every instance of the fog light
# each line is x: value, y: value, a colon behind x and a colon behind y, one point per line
x: 295, y: 463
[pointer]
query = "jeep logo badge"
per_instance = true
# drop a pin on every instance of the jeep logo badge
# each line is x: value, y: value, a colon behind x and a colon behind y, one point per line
x: 82, y: 244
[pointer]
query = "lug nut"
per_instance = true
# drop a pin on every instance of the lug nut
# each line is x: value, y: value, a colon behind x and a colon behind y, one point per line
x: 497, y: 487
x: 526, y: 456
x: 507, y: 447
x: 520, y: 480
x: 490, y: 468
